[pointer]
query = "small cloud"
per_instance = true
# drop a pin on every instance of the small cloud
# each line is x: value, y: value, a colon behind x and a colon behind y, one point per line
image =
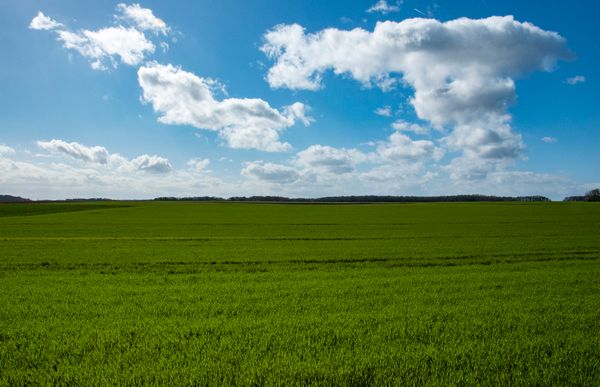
x: 142, y: 18
x: 403, y: 126
x: 43, y: 22
x: 383, y: 7
x: 575, y: 80
x: 152, y: 164
x: 198, y: 165
x: 549, y: 140
x: 270, y: 172
x: 345, y: 19
x: 93, y: 154
x: 385, y: 111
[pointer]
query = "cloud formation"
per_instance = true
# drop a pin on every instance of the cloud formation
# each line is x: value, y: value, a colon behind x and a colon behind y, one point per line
x: 142, y: 18
x: 270, y: 172
x: 402, y: 147
x: 105, y: 47
x: 99, y: 155
x: 95, y: 154
x: 462, y: 72
x: 43, y: 22
x: 183, y: 98
x: 329, y: 160
x: 383, y: 7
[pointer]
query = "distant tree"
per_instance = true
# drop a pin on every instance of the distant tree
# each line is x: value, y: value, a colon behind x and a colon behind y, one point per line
x: 593, y: 195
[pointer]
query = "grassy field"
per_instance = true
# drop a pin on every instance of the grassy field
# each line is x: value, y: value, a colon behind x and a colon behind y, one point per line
x: 231, y: 293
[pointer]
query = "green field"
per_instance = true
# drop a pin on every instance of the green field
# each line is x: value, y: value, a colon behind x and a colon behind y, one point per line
x: 230, y: 293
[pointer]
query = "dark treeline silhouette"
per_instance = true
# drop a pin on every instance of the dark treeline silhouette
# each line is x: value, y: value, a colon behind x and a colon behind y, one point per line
x: 191, y: 199
x: 88, y: 200
x: 366, y: 199
x: 12, y: 199
x: 590, y: 196
x: 574, y: 199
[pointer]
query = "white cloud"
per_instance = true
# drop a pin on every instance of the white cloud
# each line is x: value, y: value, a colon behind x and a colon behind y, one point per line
x: 104, y: 47
x: 486, y: 140
x: 402, y: 147
x: 6, y: 150
x: 549, y: 140
x: 99, y: 155
x: 43, y: 22
x: 142, y: 18
x: 575, y: 80
x: 183, y: 98
x: 198, y: 165
x: 430, y: 54
x: 75, y: 173
x: 384, y: 111
x: 462, y: 71
x: 152, y: 164
x: 95, y: 154
x: 383, y: 7
x: 327, y: 159
x: 270, y: 172
x: 403, y: 126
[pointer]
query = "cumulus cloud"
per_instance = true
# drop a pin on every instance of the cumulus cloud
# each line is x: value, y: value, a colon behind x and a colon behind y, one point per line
x: 402, y: 147
x: 549, y: 140
x: 183, y: 98
x: 43, y: 22
x: 575, y: 80
x: 142, y: 177
x: 95, y: 154
x: 383, y: 7
x: 99, y: 155
x: 403, y: 126
x: 270, y: 172
x: 430, y: 54
x: 462, y: 71
x: 142, y: 18
x: 327, y: 159
x: 152, y: 164
x: 105, y: 47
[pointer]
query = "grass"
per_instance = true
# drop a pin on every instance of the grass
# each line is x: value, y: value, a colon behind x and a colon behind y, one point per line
x: 231, y: 293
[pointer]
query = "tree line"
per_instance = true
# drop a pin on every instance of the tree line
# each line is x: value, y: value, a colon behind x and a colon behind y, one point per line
x: 365, y: 199
x: 590, y: 196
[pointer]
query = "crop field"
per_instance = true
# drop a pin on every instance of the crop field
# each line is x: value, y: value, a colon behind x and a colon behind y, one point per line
x: 252, y: 294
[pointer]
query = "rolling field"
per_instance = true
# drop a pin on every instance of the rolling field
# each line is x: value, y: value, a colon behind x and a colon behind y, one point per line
x: 232, y: 293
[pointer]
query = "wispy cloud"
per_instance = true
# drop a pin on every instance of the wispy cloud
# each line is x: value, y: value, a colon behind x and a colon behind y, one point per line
x: 384, y: 111
x: 383, y: 7
x: 575, y: 80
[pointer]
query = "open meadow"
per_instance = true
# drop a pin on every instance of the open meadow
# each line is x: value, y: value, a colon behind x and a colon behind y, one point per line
x: 243, y: 293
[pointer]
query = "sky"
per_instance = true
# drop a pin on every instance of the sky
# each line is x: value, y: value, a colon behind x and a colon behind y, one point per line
x: 300, y: 99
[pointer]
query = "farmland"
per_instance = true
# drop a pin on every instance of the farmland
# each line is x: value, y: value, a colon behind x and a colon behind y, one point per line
x: 243, y: 293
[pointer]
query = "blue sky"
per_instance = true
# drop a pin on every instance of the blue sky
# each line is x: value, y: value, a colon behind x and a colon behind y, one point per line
x: 178, y: 98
